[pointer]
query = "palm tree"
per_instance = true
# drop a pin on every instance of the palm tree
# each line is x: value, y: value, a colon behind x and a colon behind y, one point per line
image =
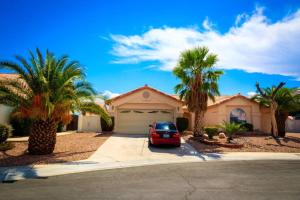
x: 47, y: 90
x: 231, y: 129
x: 286, y: 100
x: 198, y: 82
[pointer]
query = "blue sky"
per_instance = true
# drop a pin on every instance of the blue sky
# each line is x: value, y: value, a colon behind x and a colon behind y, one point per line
x: 126, y: 44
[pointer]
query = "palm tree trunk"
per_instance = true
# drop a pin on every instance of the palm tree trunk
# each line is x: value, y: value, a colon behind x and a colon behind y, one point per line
x: 281, y: 118
x: 199, y: 117
x: 273, y: 108
x: 42, y: 137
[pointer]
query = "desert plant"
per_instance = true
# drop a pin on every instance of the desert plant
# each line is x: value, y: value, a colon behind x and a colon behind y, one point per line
x: 231, y: 129
x: 211, y: 132
x: 46, y: 89
x: 107, y: 127
x: 5, y: 132
x: 182, y: 123
x: 20, y: 125
x: 247, y: 126
x: 60, y: 127
x: 199, y: 82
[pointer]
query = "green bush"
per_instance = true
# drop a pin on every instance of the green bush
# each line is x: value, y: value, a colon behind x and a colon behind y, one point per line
x: 4, y: 133
x: 105, y: 126
x: 182, y: 124
x: 20, y: 126
x: 6, y: 146
x: 60, y: 127
x: 211, y: 131
x: 231, y: 128
x: 247, y: 126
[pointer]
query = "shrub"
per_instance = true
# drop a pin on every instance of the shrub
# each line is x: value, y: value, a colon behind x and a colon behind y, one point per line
x: 211, y: 132
x: 4, y: 133
x: 60, y: 127
x: 230, y: 129
x: 20, y: 126
x: 247, y: 126
x: 107, y: 127
x: 6, y: 146
x: 182, y: 124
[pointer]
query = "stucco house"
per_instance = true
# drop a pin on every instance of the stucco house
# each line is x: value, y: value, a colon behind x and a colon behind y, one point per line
x: 135, y: 110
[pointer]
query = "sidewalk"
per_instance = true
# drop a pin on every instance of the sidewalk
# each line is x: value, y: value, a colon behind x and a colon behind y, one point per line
x: 43, y: 171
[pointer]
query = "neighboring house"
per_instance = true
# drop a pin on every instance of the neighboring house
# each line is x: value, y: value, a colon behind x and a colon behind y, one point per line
x: 135, y: 110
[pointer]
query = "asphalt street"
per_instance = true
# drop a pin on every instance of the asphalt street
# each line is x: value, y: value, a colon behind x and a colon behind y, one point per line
x: 205, y: 180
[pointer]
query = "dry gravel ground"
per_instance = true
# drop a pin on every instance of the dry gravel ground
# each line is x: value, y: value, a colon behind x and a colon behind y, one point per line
x: 290, y: 144
x: 72, y: 147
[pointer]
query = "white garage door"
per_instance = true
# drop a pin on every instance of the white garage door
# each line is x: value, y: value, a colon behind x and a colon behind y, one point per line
x: 137, y: 121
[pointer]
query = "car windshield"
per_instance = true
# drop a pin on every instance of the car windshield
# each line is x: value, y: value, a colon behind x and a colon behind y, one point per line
x: 165, y: 126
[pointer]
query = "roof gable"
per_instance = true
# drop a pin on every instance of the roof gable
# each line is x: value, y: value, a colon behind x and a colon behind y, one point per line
x: 229, y: 98
x: 143, y: 88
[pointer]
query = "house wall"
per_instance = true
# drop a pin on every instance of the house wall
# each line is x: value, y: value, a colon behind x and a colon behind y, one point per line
x: 292, y: 125
x: 4, y: 114
x: 89, y: 123
x: 138, y: 100
x: 265, y: 120
x: 218, y: 113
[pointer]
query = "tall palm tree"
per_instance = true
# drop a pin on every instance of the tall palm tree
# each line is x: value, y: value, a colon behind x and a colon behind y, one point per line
x: 47, y: 89
x: 199, y: 82
x: 286, y: 100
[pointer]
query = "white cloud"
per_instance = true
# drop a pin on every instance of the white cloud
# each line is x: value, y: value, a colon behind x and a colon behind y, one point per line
x: 110, y: 94
x: 253, y: 44
x: 251, y: 94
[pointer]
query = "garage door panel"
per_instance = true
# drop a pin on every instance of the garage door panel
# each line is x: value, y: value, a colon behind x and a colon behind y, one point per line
x: 137, y: 121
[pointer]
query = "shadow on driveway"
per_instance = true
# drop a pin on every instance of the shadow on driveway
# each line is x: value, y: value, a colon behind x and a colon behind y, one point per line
x: 184, y: 150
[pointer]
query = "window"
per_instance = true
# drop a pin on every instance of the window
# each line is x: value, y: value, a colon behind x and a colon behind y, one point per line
x: 165, y: 112
x: 238, y: 115
x: 137, y: 111
x: 125, y: 111
x: 165, y: 126
x: 154, y: 111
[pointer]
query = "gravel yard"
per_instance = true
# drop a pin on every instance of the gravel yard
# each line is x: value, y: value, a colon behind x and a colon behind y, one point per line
x: 290, y: 144
x: 72, y: 147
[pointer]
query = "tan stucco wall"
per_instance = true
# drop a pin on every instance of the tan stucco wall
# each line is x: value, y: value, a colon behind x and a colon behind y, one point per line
x: 216, y: 114
x: 137, y: 101
x: 265, y: 120
x: 4, y: 114
x: 89, y: 123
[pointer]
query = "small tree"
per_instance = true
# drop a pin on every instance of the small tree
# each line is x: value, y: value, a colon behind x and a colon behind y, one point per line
x: 231, y: 129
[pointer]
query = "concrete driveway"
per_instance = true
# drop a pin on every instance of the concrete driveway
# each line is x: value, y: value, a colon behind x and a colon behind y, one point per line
x: 134, y: 147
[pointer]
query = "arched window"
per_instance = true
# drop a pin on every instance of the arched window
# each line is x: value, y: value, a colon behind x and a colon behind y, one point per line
x: 238, y: 115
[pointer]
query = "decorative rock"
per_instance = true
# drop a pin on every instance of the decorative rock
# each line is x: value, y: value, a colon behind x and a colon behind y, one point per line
x: 222, y: 135
x: 205, y: 136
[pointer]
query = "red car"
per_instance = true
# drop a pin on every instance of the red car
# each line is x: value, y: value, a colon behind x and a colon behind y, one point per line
x: 164, y: 133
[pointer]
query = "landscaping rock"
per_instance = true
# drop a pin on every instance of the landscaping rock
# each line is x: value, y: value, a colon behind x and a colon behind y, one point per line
x: 205, y: 136
x: 222, y: 135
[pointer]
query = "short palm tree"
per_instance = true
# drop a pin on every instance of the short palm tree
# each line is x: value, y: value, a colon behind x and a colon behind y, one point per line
x: 47, y: 90
x: 230, y: 129
x: 199, y: 82
x: 286, y: 99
